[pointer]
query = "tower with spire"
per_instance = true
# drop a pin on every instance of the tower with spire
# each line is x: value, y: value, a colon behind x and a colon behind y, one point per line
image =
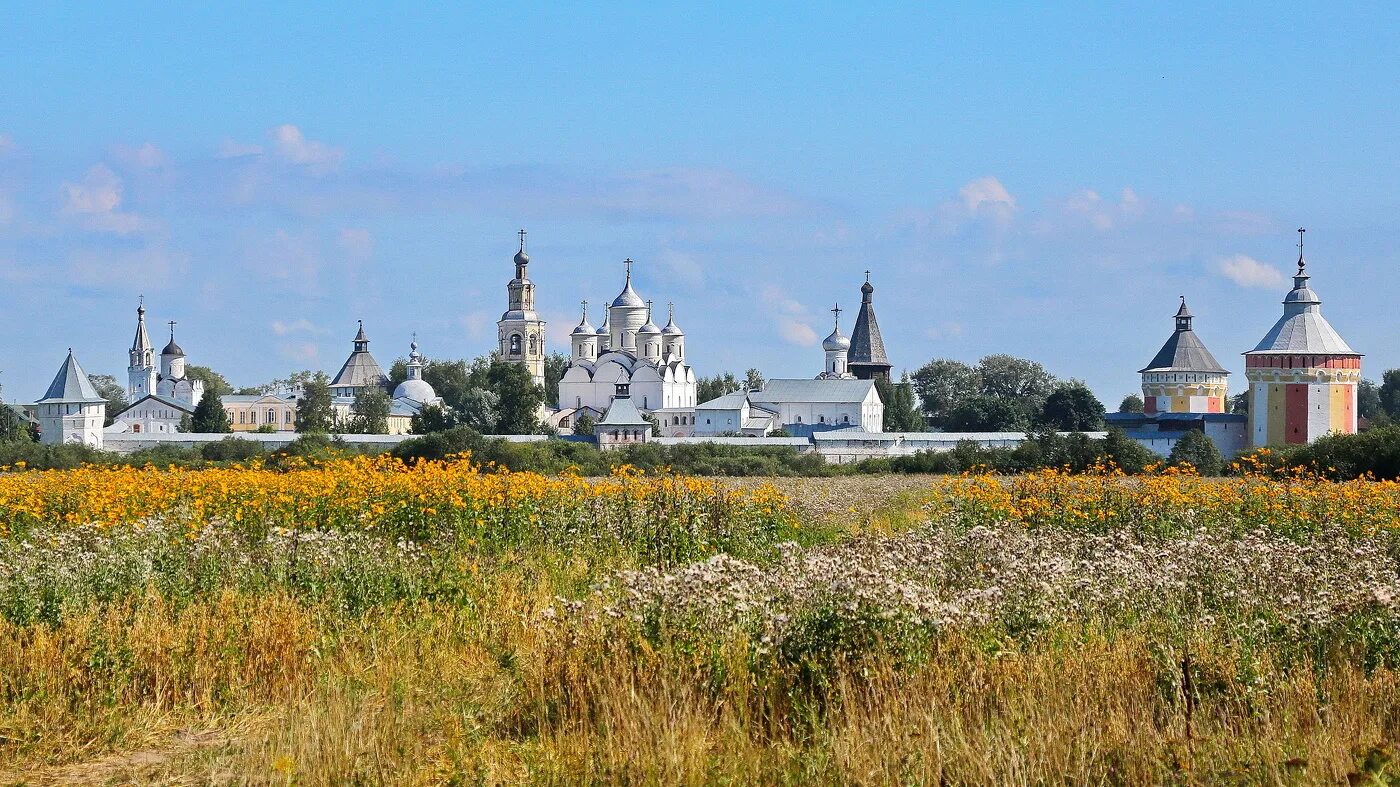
x: 359, y: 372
x: 174, y: 384
x: 71, y: 411
x: 836, y: 347
x: 583, y: 342
x: 1183, y: 377
x: 141, y: 374
x: 866, y: 359
x: 1303, y: 376
x: 520, y: 329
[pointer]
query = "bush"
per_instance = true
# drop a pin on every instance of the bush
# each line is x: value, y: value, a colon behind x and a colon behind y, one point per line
x: 1199, y: 451
x: 231, y: 449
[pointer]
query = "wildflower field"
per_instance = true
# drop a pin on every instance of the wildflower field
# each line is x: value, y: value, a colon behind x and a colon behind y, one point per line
x: 368, y: 621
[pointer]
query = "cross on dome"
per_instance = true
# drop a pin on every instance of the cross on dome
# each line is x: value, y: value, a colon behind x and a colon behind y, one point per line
x: 1301, y: 263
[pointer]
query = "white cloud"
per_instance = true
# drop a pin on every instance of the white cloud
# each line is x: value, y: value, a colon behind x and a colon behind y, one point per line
x: 301, y: 352
x: 946, y: 330
x: 987, y: 195
x: 300, y: 325
x: 1249, y: 272
x: 291, y: 145
x: 1088, y: 206
x: 776, y: 298
x: 476, y: 324
x: 356, y: 242
x: 148, y: 156
x: 231, y: 149
x: 796, y: 332
x: 95, y: 201
x: 682, y: 268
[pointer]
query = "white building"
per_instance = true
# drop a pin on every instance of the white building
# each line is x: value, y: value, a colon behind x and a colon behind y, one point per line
x: 520, y: 329
x: 158, y: 399
x: 799, y: 407
x: 837, y: 349
x: 71, y: 410
x: 623, y: 424
x: 359, y: 372
x: 629, y: 349
x: 411, y: 395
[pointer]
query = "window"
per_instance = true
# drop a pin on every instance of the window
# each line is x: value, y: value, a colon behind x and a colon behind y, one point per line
x: 534, y: 344
x: 515, y: 344
x: 272, y: 416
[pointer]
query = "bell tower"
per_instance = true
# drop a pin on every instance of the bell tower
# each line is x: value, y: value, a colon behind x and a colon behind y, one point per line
x: 520, y: 329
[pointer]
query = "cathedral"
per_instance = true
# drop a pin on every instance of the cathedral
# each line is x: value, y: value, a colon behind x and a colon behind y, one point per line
x: 627, y: 349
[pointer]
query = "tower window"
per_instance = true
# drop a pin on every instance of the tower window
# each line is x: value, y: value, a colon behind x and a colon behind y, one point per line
x: 515, y: 344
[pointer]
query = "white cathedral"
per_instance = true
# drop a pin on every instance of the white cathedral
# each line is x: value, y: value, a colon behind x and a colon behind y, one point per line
x: 627, y: 349
x: 159, y: 397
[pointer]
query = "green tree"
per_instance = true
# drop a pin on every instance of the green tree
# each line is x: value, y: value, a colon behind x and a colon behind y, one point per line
x: 369, y: 414
x: 284, y: 385
x: 753, y: 380
x: 585, y: 425
x: 1025, y: 383
x: 901, y: 412
x: 985, y: 413
x: 555, y: 364
x: 108, y: 388
x: 655, y: 424
x: 186, y: 424
x: 942, y: 384
x: 315, y: 415
x: 432, y: 418
x: 1132, y: 403
x: 1196, y: 449
x: 213, y: 381
x: 1239, y: 403
x: 1072, y: 407
x: 13, y: 427
x: 520, y: 399
x: 708, y: 388
x: 1133, y: 457
x: 209, y: 416
x: 1390, y: 393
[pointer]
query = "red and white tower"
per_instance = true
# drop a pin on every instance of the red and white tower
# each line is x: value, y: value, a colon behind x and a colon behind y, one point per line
x: 1303, y: 376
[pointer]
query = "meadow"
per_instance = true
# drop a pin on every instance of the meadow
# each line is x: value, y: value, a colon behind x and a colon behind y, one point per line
x: 368, y: 621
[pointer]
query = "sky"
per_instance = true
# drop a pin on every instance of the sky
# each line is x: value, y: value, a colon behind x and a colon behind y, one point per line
x: 1043, y: 182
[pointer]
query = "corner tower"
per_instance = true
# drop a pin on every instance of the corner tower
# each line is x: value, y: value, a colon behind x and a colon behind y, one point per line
x: 1303, y: 376
x: 520, y: 329
x: 1184, y: 377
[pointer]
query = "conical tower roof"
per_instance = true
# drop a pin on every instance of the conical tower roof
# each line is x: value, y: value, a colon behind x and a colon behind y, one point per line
x: 1184, y: 351
x: 867, y: 355
x: 71, y: 385
x: 1302, y: 330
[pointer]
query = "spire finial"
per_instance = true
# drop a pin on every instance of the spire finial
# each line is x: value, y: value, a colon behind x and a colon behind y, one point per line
x: 172, y: 330
x: 584, y: 303
x: 627, y: 263
x: 522, y: 238
x: 648, y: 309
x: 867, y: 277
x: 671, y: 311
x: 837, y: 311
x: 1301, y: 263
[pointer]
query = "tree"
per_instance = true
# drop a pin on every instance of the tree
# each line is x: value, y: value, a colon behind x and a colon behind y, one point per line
x: 942, y: 384
x: 186, y: 424
x: 753, y: 380
x: 315, y: 415
x: 1239, y: 403
x: 108, y: 388
x: 555, y: 364
x: 901, y: 413
x: 708, y: 388
x: 432, y: 418
x: 369, y: 414
x: 1025, y: 383
x: 213, y: 381
x: 984, y: 413
x: 585, y: 425
x: 520, y: 398
x: 1390, y: 393
x: 285, y: 385
x: 1132, y: 403
x: 1072, y: 407
x: 1133, y: 457
x: 480, y: 410
x: 209, y: 416
x: 13, y: 427
x: 1196, y: 449
x: 655, y: 424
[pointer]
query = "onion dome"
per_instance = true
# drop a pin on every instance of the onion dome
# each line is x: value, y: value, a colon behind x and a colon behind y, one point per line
x: 672, y: 329
x: 584, y: 328
x: 606, y: 327
x: 837, y: 340
x: 417, y: 390
x: 172, y: 348
x: 521, y: 258
x: 649, y: 327
x: 628, y: 296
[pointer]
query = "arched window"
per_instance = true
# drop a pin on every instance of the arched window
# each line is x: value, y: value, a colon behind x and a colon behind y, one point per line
x: 515, y: 344
x: 534, y: 344
x: 271, y: 416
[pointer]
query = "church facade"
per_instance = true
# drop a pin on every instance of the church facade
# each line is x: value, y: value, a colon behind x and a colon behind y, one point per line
x: 628, y: 349
x: 159, y: 397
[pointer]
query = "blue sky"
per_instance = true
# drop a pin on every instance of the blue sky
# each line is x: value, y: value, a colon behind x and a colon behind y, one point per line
x: 1037, y: 181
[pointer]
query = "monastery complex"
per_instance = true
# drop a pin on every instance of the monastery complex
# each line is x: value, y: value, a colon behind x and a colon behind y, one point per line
x: 629, y: 372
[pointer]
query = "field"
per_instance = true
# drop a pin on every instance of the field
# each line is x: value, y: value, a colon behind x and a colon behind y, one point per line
x: 364, y: 621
